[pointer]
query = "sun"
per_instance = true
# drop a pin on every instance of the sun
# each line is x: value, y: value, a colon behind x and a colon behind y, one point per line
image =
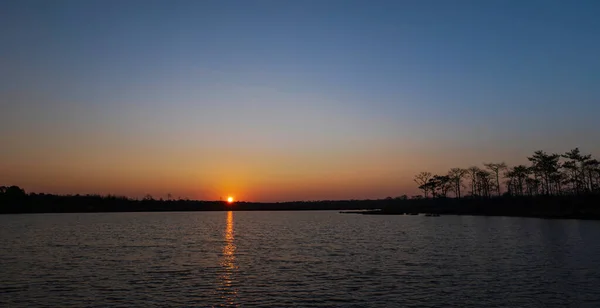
x: 230, y: 199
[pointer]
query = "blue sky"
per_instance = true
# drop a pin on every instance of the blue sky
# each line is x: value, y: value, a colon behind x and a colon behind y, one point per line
x: 289, y: 91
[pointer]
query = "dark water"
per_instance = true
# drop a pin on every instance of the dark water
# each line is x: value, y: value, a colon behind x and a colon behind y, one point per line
x: 296, y: 258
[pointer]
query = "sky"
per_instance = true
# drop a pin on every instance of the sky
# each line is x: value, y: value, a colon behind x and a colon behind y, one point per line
x: 288, y: 100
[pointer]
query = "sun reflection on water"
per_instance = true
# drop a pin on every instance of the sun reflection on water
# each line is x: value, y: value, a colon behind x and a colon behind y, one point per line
x: 227, y: 279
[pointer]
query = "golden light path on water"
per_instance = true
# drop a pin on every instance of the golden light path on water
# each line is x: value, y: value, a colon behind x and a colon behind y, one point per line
x: 228, y: 265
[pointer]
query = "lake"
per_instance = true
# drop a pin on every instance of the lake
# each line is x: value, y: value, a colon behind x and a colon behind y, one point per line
x: 319, y: 259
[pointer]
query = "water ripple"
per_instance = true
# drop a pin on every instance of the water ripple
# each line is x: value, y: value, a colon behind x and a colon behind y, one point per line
x: 307, y: 259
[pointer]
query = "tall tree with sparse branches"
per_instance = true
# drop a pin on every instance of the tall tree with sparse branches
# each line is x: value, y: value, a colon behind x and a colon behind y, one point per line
x: 472, y: 172
x: 496, y: 168
x: 456, y: 176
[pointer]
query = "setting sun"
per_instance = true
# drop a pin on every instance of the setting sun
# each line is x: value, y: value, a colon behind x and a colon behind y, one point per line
x: 229, y: 199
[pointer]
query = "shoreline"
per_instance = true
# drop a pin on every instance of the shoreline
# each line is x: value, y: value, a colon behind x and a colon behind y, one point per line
x: 576, y: 217
x: 583, y: 206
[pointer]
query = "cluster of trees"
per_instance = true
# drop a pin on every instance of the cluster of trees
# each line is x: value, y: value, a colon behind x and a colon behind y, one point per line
x: 547, y: 174
x: 12, y: 192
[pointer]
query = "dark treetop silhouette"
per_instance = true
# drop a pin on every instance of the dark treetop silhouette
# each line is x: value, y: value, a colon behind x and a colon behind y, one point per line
x: 549, y: 174
x: 553, y: 186
x: 13, y: 199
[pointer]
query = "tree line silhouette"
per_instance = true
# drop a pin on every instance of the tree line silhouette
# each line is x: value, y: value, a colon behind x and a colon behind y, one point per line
x: 14, y: 199
x: 571, y: 173
x: 551, y: 186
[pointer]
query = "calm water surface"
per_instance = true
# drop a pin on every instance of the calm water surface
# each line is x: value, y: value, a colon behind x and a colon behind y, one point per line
x: 278, y: 259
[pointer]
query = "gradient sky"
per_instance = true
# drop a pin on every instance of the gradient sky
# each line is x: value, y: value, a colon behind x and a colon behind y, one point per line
x: 287, y: 100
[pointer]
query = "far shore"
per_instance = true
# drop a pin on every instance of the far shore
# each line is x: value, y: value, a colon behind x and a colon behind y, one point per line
x: 523, y: 215
x: 582, y: 206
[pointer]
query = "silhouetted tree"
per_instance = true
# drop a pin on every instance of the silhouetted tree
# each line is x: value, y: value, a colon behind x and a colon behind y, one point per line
x: 422, y: 179
x: 533, y: 186
x: 596, y: 174
x: 483, y: 183
x: 430, y: 186
x: 441, y: 184
x: 402, y: 197
x: 496, y: 168
x: 545, y: 165
x: 572, y: 173
x: 456, y: 175
x: 472, y: 172
x: 14, y: 192
x: 576, y: 166
x: 518, y: 176
x: 590, y: 167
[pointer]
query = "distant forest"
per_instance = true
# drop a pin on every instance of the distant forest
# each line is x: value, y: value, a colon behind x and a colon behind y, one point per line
x: 571, y: 173
x: 14, y: 199
x: 552, y: 186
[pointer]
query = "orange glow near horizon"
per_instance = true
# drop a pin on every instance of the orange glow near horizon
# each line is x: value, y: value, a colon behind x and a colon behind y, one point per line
x: 230, y: 199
